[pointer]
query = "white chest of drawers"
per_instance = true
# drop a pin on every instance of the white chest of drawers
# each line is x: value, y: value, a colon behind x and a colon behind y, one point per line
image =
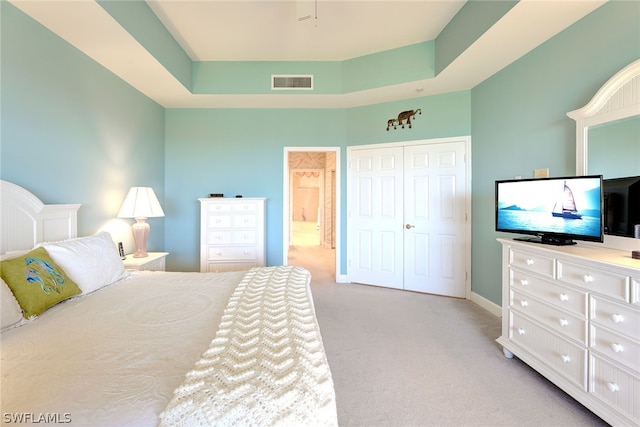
x: 232, y: 234
x: 573, y: 314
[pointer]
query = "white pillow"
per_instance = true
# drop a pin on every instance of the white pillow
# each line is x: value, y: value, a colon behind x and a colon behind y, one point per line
x: 10, y: 311
x: 92, y: 262
x: 13, y: 254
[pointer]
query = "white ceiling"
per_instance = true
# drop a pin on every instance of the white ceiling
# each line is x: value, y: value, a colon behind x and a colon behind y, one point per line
x: 244, y: 30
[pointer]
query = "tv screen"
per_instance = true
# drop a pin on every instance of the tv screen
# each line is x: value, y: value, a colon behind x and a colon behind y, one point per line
x: 554, y: 210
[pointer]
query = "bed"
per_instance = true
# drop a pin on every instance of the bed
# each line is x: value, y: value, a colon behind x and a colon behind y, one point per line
x: 149, y: 348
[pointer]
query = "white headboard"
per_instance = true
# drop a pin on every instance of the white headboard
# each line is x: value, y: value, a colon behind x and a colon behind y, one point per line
x: 25, y: 221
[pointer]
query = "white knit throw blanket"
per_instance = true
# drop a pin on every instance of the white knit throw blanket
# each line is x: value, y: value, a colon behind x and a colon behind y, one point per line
x: 266, y: 366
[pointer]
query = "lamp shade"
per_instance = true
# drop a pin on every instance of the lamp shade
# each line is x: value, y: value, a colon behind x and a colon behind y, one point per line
x: 141, y: 202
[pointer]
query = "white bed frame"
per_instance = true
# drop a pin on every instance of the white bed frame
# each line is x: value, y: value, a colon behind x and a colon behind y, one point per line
x: 25, y: 221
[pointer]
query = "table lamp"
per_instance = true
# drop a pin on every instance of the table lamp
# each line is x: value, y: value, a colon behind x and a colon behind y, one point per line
x: 141, y: 203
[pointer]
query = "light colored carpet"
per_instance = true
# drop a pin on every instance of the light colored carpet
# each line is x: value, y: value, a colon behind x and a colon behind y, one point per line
x: 408, y: 359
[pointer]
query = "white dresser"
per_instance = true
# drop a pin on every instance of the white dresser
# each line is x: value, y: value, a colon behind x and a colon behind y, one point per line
x: 573, y: 314
x: 232, y: 234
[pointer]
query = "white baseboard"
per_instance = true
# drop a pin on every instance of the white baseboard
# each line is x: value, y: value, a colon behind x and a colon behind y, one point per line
x: 342, y: 278
x: 491, y: 307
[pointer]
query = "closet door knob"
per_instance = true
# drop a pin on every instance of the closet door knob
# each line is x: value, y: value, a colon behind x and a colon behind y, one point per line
x: 409, y: 226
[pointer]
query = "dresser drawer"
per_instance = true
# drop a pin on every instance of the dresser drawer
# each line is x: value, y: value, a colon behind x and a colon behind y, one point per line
x: 221, y: 253
x: 603, y: 282
x: 568, y: 359
x: 635, y: 290
x: 622, y: 318
x: 218, y: 207
x: 219, y: 221
x: 245, y: 207
x: 226, y: 237
x: 219, y: 237
x: 615, y: 386
x: 566, y: 298
x: 620, y: 348
x: 538, y: 264
x: 571, y: 326
x: 219, y: 267
x: 244, y: 221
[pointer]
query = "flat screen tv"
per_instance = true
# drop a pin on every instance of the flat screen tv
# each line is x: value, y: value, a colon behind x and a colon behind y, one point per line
x: 551, y: 210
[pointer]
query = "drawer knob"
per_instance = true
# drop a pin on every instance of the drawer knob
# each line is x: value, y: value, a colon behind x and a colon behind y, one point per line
x: 218, y: 221
x: 617, y: 348
x: 218, y: 253
x: 564, y: 322
x: 529, y: 261
x: 564, y: 297
x: 587, y: 278
x: 613, y: 387
x: 246, y: 253
x: 521, y: 331
x: 617, y: 318
x: 524, y: 303
x: 565, y: 358
x: 524, y: 282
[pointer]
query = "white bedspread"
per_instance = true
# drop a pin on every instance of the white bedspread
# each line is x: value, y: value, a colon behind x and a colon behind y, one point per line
x: 113, y: 358
x: 266, y: 365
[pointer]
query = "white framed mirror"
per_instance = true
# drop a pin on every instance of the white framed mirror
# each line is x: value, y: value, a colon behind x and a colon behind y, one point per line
x: 608, y: 135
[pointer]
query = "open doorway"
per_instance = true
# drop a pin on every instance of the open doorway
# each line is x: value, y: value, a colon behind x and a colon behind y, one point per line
x: 311, y: 200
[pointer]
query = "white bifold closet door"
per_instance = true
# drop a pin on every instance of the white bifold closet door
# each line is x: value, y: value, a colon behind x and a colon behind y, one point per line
x: 407, y: 217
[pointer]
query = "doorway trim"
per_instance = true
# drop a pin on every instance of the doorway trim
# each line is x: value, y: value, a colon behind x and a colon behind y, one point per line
x: 286, y: 205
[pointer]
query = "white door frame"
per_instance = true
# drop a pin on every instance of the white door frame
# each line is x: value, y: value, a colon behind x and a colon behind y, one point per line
x: 286, y: 208
x: 467, y: 162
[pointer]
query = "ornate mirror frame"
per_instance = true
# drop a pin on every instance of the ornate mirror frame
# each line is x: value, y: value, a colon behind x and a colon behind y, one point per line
x: 617, y: 99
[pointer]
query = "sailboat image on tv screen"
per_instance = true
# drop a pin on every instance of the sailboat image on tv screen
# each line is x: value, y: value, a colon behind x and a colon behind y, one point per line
x: 566, y: 206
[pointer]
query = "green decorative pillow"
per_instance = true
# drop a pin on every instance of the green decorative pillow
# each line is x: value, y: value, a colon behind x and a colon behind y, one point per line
x: 37, y: 282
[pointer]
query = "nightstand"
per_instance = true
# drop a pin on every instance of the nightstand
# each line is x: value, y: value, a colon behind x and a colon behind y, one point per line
x: 154, y: 262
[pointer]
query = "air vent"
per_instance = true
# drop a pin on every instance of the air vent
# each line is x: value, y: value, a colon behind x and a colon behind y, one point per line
x: 291, y: 82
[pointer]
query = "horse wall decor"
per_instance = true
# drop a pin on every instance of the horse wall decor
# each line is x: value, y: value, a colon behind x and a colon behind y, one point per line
x: 402, y: 117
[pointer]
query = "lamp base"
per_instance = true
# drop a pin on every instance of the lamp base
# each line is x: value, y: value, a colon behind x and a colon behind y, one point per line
x: 140, y: 232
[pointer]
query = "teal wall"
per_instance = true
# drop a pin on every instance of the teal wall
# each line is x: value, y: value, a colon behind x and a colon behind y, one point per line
x: 234, y: 151
x: 73, y: 132
x: 241, y: 151
x: 519, y: 120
